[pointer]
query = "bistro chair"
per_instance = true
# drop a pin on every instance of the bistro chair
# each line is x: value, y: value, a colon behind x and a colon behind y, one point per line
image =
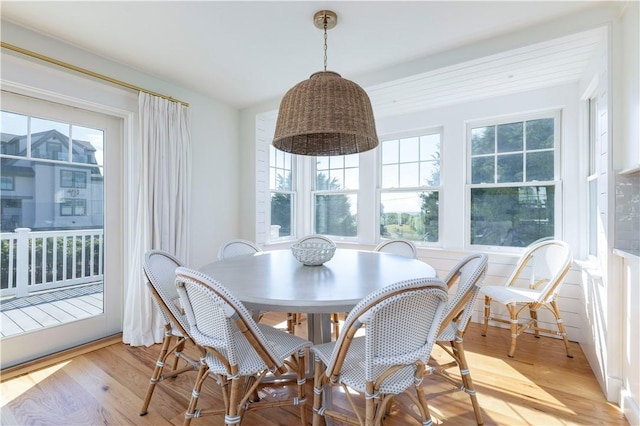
x: 402, y: 322
x: 236, y: 351
x: 534, y: 283
x: 467, y: 276
x: 398, y: 246
x: 160, y: 270
x: 237, y: 247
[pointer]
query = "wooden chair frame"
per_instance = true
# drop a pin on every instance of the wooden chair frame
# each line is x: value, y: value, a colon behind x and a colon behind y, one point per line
x: 541, y: 293
x: 328, y: 373
x: 469, y: 274
x: 239, y: 391
x: 175, y: 327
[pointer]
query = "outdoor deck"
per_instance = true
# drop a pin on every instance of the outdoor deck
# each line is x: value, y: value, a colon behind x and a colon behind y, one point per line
x: 18, y: 315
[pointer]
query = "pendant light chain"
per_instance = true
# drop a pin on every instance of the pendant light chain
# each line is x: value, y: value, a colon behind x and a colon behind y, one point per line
x: 325, y: 43
x: 308, y: 122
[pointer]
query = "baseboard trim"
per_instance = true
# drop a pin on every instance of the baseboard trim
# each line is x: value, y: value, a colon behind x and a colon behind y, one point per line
x: 629, y: 408
x: 46, y: 361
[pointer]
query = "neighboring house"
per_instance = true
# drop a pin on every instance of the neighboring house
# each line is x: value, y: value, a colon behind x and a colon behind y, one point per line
x: 48, y: 191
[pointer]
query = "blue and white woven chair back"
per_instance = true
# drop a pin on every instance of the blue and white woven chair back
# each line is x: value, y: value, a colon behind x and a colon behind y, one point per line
x: 398, y: 246
x: 160, y: 269
x: 237, y: 247
x: 402, y: 321
x: 467, y: 277
x: 213, y: 313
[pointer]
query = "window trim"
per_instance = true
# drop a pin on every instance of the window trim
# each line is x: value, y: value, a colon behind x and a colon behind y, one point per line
x: 12, y: 183
x: 557, y: 182
x: 312, y: 163
x: 427, y: 131
x: 74, y: 181
x: 294, y: 198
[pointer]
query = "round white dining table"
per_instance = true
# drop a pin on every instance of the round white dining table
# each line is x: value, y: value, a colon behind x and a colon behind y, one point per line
x: 275, y: 281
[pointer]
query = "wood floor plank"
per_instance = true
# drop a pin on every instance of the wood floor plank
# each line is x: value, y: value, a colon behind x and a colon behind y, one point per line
x: 540, y: 386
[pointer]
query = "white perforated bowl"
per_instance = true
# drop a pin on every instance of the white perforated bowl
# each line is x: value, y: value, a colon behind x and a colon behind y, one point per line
x: 313, y: 253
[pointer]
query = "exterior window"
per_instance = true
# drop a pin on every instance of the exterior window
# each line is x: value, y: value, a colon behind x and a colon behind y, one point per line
x: 7, y: 183
x: 409, y: 195
x: 513, y: 187
x: 282, y: 195
x: 592, y: 179
x: 73, y: 179
x: 56, y: 167
x: 336, y: 195
x: 73, y: 207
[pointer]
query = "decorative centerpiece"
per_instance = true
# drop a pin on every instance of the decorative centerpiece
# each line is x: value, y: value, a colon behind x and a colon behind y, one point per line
x: 314, y: 250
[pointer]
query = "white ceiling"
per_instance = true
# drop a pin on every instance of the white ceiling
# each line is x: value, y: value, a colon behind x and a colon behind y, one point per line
x: 244, y: 53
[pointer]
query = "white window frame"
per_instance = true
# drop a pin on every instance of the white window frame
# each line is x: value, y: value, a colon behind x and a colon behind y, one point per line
x: 294, y: 199
x: 556, y: 114
x: 592, y: 177
x: 439, y: 188
x: 314, y: 191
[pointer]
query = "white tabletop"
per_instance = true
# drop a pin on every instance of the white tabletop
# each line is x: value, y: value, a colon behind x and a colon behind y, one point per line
x: 276, y: 281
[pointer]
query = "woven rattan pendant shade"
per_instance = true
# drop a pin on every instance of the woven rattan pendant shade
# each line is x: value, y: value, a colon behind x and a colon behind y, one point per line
x: 326, y: 114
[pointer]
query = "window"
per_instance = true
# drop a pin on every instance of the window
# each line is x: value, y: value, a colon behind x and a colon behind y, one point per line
x: 512, y: 176
x: 592, y: 178
x: 7, y: 183
x: 282, y: 194
x: 73, y: 207
x: 335, y: 197
x: 73, y: 179
x: 409, y: 194
x: 50, y: 163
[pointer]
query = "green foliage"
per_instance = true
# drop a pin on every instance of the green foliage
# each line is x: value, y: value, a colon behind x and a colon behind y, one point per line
x: 333, y: 211
x: 281, y: 205
x: 511, y: 216
x: 46, y: 245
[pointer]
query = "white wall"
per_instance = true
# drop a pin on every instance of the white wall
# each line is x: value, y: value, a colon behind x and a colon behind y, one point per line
x: 594, y: 292
x: 626, y: 155
x: 214, y: 213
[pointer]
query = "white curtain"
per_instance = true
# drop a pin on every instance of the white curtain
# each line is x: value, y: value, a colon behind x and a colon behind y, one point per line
x: 161, y: 199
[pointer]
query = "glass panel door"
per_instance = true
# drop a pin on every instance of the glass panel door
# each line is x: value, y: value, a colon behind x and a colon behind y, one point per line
x: 60, y: 265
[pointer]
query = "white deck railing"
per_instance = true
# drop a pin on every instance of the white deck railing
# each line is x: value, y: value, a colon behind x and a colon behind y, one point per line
x: 45, y: 260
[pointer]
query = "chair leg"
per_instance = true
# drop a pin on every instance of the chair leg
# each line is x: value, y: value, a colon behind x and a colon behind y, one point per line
x: 556, y: 312
x: 422, y: 400
x: 513, y: 314
x: 533, y: 313
x: 458, y: 350
x: 157, y: 372
x: 291, y: 322
x: 302, y: 374
x: 176, y: 358
x: 487, y: 314
x: 335, y: 321
x: 203, y: 371
x: 233, y: 415
x: 317, y: 391
x: 370, y: 406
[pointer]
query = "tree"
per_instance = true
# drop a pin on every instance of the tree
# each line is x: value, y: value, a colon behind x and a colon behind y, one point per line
x: 333, y: 211
x: 281, y: 205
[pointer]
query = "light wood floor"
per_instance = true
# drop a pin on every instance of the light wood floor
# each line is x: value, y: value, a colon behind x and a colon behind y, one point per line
x: 540, y: 386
